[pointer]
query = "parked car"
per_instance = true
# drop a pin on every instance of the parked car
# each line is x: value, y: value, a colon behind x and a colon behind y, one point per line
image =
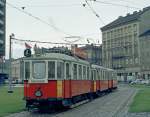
x: 140, y: 81
x: 137, y: 81
x: 145, y: 82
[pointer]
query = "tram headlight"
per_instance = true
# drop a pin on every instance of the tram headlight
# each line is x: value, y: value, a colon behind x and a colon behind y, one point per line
x: 38, y: 93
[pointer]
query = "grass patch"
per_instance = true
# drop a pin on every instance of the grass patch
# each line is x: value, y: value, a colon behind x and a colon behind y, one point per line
x: 141, y: 102
x: 11, y: 102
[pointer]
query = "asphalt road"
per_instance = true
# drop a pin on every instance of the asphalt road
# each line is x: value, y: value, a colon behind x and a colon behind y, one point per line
x: 112, y: 105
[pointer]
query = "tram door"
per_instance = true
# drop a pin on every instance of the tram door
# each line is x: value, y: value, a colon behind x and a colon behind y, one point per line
x: 67, y: 80
x: 27, y: 74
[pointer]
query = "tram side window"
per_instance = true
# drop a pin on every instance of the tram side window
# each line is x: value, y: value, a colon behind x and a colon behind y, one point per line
x: 88, y: 75
x: 60, y: 70
x: 103, y: 75
x: 27, y: 70
x: 84, y: 72
x: 80, y: 71
x: 51, y: 70
x: 67, y: 71
x: 74, y: 71
x: 95, y: 75
x: 111, y: 76
x: 100, y: 74
x: 39, y: 69
x: 108, y: 75
x: 92, y: 74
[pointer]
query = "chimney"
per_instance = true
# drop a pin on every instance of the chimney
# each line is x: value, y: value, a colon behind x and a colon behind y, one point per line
x: 128, y: 14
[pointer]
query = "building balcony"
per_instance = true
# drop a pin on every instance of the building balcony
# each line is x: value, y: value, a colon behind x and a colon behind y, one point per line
x: 1, y: 42
x: 2, y: 3
x: 1, y: 13
x: 119, y: 56
x: 1, y: 22
x: 118, y: 67
x: 1, y: 32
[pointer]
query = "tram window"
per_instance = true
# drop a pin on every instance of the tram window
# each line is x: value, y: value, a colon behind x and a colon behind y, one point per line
x: 84, y: 72
x: 92, y: 74
x: 95, y: 75
x: 74, y: 71
x: 103, y: 75
x: 100, y: 74
x: 51, y: 70
x: 111, y: 76
x: 39, y: 69
x: 80, y: 71
x: 27, y: 70
x: 67, y: 71
x: 88, y: 71
x: 60, y: 70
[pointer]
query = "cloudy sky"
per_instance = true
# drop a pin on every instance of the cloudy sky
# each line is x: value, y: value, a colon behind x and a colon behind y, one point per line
x: 63, y: 18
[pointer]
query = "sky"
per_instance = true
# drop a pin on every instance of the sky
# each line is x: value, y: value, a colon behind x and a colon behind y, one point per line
x: 68, y: 16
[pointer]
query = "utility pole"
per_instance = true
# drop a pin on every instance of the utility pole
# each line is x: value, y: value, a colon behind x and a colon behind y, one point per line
x: 10, y: 60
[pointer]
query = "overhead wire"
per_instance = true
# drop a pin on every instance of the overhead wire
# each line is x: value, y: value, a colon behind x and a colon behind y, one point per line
x: 137, y: 4
x: 115, y: 4
x: 43, y: 21
x: 36, y: 41
x: 52, y: 5
x: 94, y: 12
x: 37, y: 18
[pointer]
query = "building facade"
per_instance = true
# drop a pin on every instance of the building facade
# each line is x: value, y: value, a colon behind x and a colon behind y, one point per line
x: 94, y: 53
x: 17, y: 68
x: 120, y: 40
x: 145, y: 54
x: 2, y: 27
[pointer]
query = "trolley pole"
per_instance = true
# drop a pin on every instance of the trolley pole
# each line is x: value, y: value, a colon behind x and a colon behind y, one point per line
x: 10, y: 90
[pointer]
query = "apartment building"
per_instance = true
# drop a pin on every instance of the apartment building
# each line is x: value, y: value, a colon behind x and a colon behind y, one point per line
x: 145, y: 54
x: 94, y: 53
x: 2, y: 27
x: 120, y: 40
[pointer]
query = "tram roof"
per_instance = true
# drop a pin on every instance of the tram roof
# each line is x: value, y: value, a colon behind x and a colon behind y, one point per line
x: 101, y: 67
x: 56, y: 56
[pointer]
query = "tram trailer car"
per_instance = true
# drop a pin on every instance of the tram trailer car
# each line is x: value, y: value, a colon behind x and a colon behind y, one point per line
x: 59, y: 80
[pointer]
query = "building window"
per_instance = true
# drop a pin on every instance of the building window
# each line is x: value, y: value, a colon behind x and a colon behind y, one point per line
x: 136, y: 60
x: 131, y: 61
x: 127, y: 61
x: 135, y: 27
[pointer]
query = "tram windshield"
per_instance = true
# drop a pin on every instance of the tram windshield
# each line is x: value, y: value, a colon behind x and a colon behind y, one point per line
x: 39, y: 70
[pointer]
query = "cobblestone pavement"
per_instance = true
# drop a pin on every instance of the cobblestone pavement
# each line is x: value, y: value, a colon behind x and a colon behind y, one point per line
x: 112, y: 105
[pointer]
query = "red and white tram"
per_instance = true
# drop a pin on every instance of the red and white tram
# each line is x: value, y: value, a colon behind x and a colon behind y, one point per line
x: 55, y: 79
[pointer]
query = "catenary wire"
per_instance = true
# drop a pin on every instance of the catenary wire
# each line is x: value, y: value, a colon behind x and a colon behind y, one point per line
x: 22, y: 40
x: 94, y: 12
x: 115, y: 4
x: 37, y: 18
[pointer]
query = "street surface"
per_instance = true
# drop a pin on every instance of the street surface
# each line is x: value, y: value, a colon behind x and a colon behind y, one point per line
x: 112, y: 105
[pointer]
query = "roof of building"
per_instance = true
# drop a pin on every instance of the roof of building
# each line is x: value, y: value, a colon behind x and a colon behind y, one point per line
x: 146, y: 33
x: 123, y: 20
x: 92, y: 46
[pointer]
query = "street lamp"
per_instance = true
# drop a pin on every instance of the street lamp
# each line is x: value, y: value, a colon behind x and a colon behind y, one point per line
x: 10, y: 60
